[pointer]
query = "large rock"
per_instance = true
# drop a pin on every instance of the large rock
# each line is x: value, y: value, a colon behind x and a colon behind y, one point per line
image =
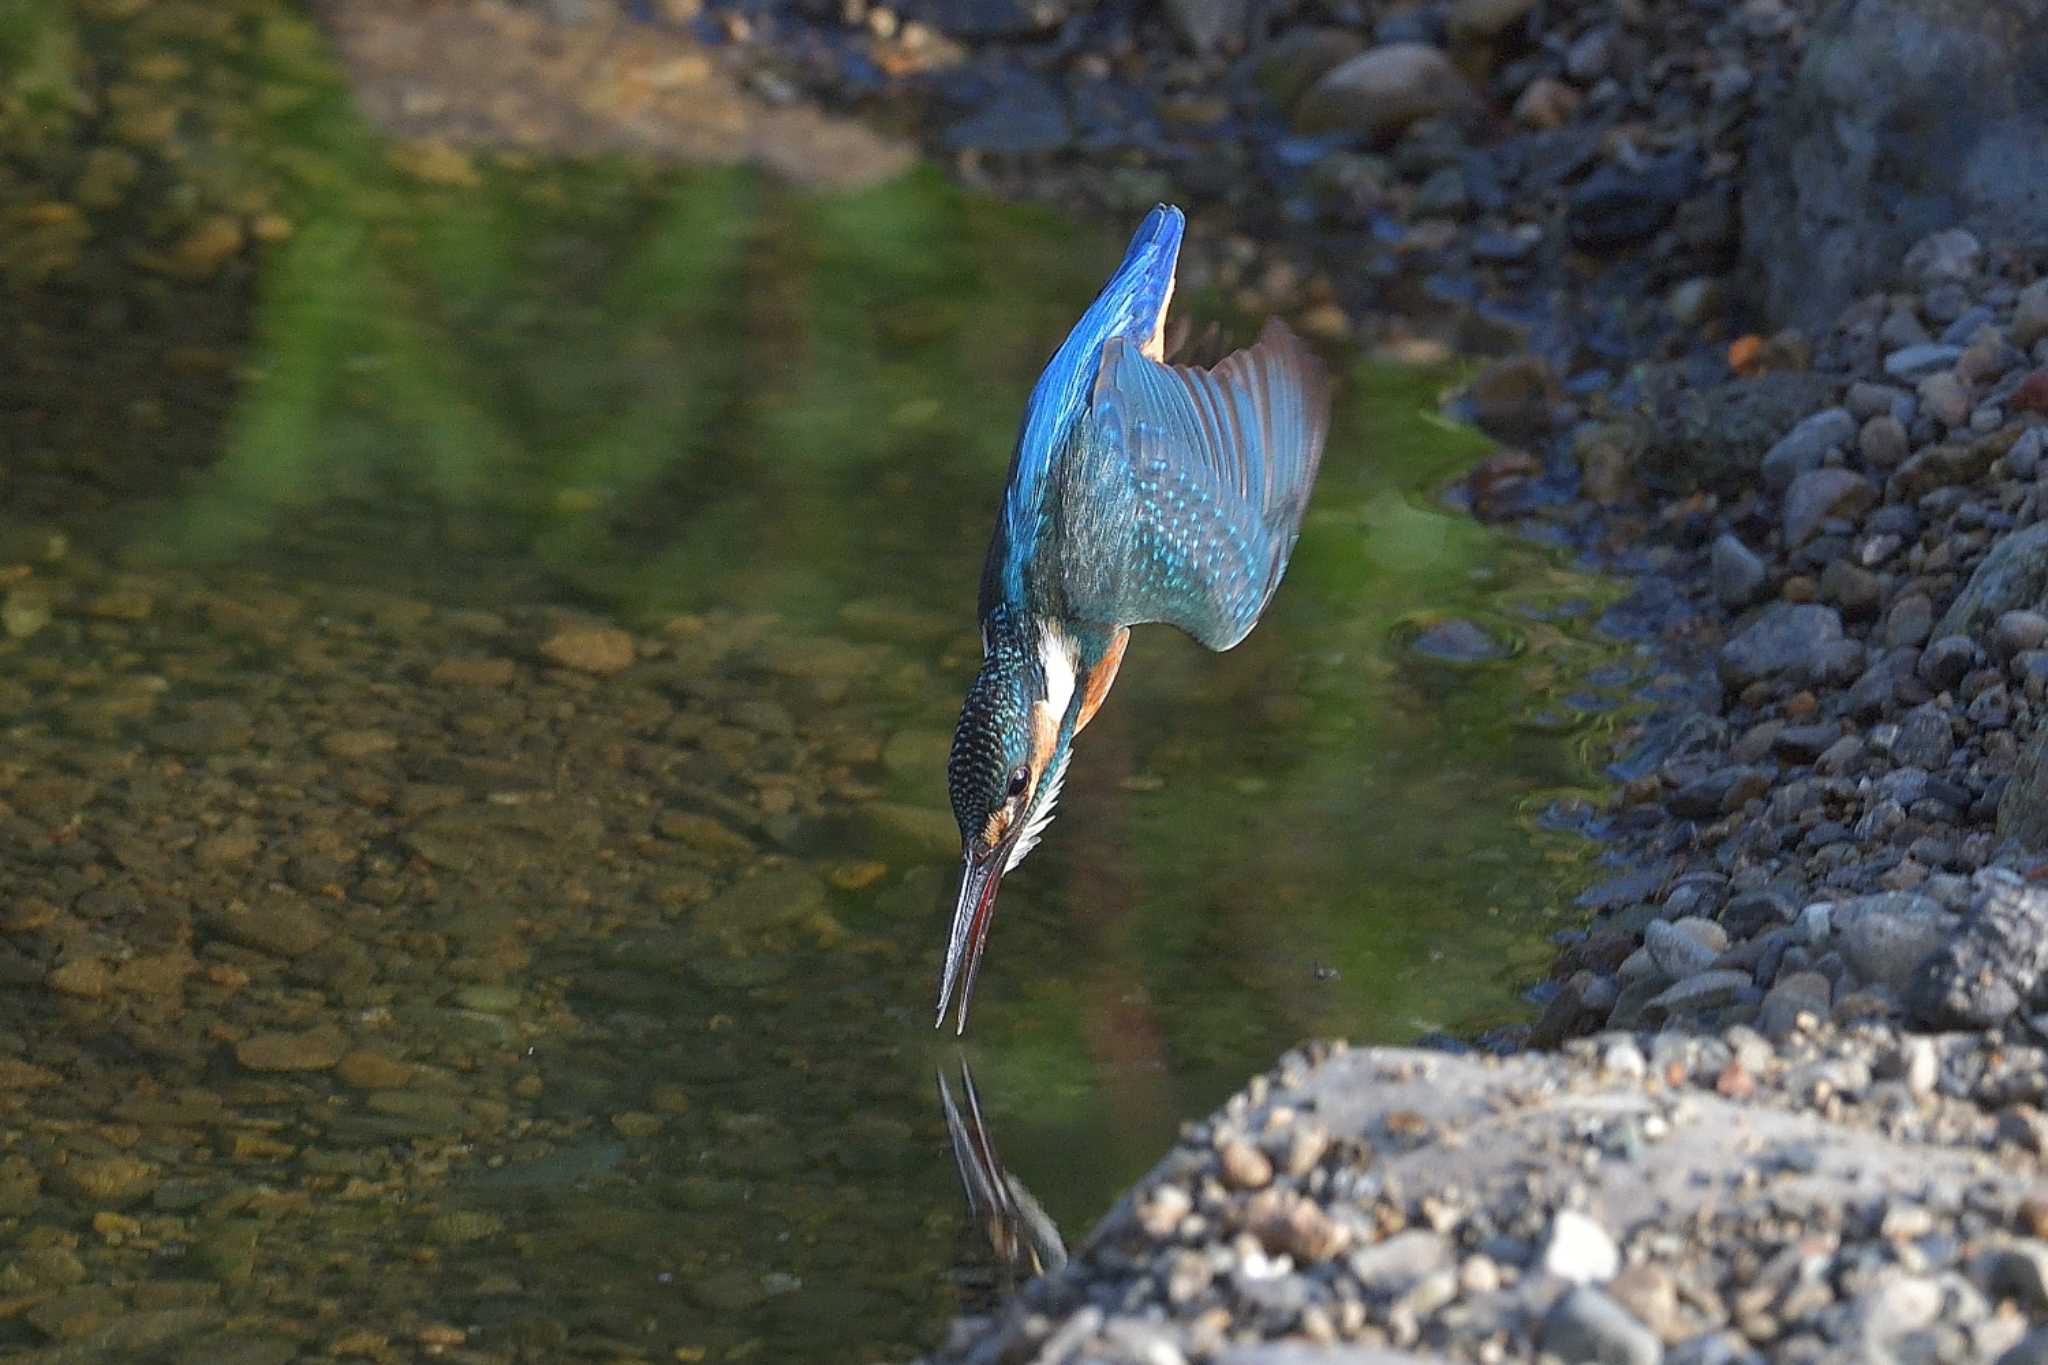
x: 2023, y: 810
x: 2013, y: 577
x: 979, y: 19
x: 1301, y: 57
x: 1785, y: 637
x: 1203, y: 24
x: 1020, y: 115
x: 1716, y: 436
x: 1885, y: 937
x: 1379, y: 93
x: 1802, y: 449
x: 1905, y: 117
x: 1995, y: 967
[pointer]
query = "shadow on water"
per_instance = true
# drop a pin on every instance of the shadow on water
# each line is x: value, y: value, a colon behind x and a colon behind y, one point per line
x: 503, y: 985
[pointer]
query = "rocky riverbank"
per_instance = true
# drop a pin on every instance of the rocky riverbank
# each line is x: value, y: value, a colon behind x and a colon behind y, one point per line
x: 1844, y: 1196
x: 1808, y: 1125
x: 1804, y: 1123
x: 1869, y: 593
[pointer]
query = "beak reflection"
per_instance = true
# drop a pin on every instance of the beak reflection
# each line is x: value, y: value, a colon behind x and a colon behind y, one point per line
x: 1025, y: 1241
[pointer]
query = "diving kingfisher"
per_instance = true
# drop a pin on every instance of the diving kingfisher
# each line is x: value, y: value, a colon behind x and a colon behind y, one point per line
x: 1139, y: 491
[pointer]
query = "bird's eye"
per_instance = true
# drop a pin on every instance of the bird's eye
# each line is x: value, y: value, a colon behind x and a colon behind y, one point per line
x: 1020, y: 778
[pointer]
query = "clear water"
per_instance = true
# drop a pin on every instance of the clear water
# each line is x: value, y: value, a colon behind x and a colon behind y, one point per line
x: 678, y: 1096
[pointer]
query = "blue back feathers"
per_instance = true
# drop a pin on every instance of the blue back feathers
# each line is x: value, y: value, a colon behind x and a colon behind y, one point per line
x: 1142, y: 491
x: 1130, y: 305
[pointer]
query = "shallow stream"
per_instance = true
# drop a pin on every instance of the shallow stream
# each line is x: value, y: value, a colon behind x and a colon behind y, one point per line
x: 398, y: 959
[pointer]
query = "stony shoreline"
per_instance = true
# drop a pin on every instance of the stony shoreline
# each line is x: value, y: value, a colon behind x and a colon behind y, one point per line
x: 1827, y: 935
x: 1783, y: 1098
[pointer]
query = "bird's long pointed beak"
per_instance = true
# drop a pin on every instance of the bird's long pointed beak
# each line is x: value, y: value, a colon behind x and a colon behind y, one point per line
x: 981, y: 873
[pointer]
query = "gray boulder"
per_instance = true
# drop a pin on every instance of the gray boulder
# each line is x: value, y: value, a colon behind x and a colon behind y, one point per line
x: 1378, y: 93
x: 1905, y: 118
x: 1994, y: 967
x: 1785, y: 637
x: 2023, y: 810
x: 1716, y: 436
x: 2013, y: 577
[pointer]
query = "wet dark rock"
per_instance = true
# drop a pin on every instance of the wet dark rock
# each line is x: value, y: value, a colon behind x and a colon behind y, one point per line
x: 1752, y: 912
x: 1301, y: 57
x: 1617, y: 891
x: 1836, y: 663
x: 2023, y: 809
x: 2012, y: 577
x: 1831, y: 201
x: 1910, y: 620
x: 972, y: 19
x: 1882, y: 442
x: 1784, y: 638
x: 1458, y: 641
x: 1513, y: 398
x: 1725, y: 789
x: 1794, y: 994
x: 1379, y: 93
x: 1618, y: 205
x: 1885, y: 937
x: 1920, y: 360
x: 2016, y: 632
x: 1586, y: 1325
x: 1021, y: 115
x: 1857, y: 593
x: 1994, y: 966
x: 1805, y: 743
x: 1738, y: 573
x: 1582, y: 1003
x: 1801, y: 450
x: 1716, y: 436
x: 1820, y: 494
x: 1944, y: 662
x: 1925, y: 739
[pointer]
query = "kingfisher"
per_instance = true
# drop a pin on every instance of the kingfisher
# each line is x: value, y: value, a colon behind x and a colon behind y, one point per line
x: 1140, y: 491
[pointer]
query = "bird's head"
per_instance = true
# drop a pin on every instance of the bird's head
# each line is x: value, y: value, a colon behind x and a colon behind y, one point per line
x: 1009, y: 758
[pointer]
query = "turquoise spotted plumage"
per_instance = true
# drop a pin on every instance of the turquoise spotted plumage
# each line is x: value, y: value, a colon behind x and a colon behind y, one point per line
x: 1139, y: 492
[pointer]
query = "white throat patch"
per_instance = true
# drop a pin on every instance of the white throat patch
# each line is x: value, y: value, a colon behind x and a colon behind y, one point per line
x: 1058, y: 657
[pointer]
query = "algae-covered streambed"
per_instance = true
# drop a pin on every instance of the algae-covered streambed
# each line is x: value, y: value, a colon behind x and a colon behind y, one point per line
x: 481, y: 637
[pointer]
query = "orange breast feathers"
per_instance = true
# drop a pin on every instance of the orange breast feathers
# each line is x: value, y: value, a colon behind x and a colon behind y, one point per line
x: 1099, y: 679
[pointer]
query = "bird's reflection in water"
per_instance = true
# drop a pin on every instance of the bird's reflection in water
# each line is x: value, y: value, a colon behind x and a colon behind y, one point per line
x: 1025, y: 1242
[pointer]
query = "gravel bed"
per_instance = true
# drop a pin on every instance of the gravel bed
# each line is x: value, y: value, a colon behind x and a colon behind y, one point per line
x: 1845, y: 1195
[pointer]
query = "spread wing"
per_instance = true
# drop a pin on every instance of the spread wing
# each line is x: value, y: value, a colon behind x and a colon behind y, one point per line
x: 1216, y: 466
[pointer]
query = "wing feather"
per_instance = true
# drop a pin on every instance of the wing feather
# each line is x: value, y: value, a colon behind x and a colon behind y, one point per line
x: 1219, y: 463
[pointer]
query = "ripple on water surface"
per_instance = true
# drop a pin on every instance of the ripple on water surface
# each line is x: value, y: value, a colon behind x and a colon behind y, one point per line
x: 476, y: 704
